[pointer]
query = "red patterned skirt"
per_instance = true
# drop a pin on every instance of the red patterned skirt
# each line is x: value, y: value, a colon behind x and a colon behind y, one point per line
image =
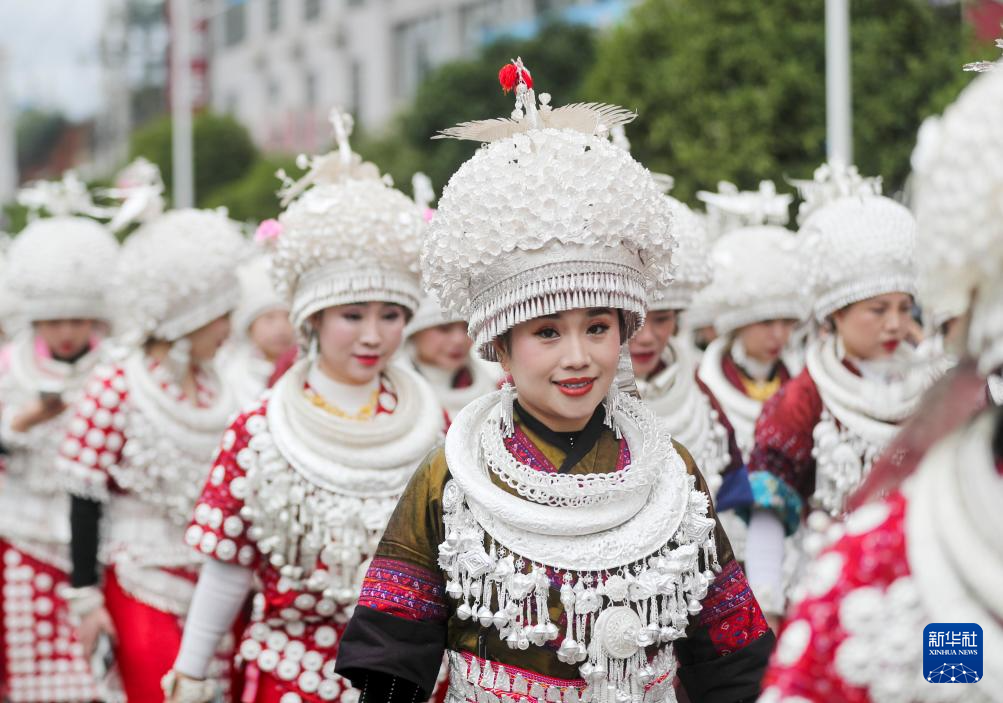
x: 42, y: 659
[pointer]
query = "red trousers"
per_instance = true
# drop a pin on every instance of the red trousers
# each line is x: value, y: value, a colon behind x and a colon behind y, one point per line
x: 148, y: 642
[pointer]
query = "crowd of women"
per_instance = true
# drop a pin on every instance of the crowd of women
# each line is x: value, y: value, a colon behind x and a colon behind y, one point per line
x: 563, y: 439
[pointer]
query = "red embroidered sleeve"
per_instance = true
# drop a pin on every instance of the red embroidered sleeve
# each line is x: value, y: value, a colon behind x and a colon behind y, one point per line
x: 405, y: 590
x: 96, y: 435
x: 806, y: 661
x: 217, y: 528
x: 730, y: 612
x: 781, y: 467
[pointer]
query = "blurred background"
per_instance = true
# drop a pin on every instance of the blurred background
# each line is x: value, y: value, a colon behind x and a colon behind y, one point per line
x: 725, y: 89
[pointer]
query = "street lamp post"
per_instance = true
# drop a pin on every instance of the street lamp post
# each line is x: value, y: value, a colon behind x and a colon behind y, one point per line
x: 181, y: 104
x: 838, y: 102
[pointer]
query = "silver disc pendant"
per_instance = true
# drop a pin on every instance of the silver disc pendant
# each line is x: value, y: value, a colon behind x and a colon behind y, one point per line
x: 616, y: 629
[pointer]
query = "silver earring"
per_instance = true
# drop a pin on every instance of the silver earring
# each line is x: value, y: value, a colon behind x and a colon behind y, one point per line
x: 507, y: 399
x: 313, y: 348
x: 612, y: 404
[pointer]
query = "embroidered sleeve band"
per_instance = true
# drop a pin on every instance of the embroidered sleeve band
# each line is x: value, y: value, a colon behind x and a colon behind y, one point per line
x: 405, y: 590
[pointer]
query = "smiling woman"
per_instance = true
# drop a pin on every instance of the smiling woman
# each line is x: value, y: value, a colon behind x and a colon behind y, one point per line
x: 564, y: 363
x: 560, y: 547
x: 440, y: 350
x: 58, y: 268
x: 306, y: 478
x: 357, y: 340
x: 816, y: 439
x: 140, y: 441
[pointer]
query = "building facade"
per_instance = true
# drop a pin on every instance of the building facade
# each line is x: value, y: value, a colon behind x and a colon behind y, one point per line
x: 279, y: 66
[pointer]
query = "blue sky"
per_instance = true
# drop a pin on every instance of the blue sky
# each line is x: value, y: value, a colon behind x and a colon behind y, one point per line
x: 52, y: 53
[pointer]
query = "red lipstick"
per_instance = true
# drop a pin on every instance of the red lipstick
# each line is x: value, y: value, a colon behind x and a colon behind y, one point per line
x: 367, y: 360
x: 575, y: 387
x: 891, y: 346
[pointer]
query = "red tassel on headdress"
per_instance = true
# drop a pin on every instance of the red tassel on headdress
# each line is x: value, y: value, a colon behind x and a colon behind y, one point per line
x: 508, y: 76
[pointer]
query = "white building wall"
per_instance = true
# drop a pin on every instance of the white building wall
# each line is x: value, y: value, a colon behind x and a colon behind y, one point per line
x: 367, y: 56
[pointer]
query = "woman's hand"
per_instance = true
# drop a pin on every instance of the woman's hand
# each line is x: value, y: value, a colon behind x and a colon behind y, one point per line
x: 92, y: 626
x: 37, y: 412
x: 179, y: 688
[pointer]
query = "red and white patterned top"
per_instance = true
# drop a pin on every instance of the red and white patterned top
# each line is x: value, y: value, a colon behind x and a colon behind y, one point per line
x: 808, y: 664
x: 136, y: 443
x: 295, y: 629
x: 96, y: 438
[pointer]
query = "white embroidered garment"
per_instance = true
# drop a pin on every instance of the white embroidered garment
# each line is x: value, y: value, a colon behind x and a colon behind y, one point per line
x: 319, y: 489
x: 245, y: 370
x: 135, y: 428
x: 33, y: 505
x: 346, y: 397
x: 169, y: 442
x: 952, y: 529
x: 742, y: 411
x: 485, y: 376
x: 953, y: 525
x: 628, y: 547
x: 860, y: 416
x: 675, y: 397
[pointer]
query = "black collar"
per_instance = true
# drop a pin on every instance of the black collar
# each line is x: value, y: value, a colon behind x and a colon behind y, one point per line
x: 575, y: 445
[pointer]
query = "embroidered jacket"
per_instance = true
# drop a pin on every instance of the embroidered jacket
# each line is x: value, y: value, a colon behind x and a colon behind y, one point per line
x: 298, y: 619
x: 405, y: 619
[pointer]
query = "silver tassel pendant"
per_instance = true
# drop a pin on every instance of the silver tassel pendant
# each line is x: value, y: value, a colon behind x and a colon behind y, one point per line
x: 507, y: 401
x: 612, y: 405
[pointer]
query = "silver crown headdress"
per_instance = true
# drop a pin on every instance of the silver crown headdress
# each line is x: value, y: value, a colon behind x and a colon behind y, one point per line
x: 58, y: 266
x: 985, y: 66
x: 140, y: 190
x: 758, y: 268
x: 730, y: 208
x: 959, y: 208
x: 547, y: 216
x: 860, y: 243
x: 830, y: 182
x: 347, y: 236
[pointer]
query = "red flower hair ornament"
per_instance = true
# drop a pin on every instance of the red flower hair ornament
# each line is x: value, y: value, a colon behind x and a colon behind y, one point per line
x: 509, y: 76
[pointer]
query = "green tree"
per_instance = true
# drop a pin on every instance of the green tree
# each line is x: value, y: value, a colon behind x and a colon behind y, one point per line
x: 252, y: 198
x: 37, y: 134
x: 558, y: 58
x: 224, y: 152
x: 13, y: 218
x: 735, y: 90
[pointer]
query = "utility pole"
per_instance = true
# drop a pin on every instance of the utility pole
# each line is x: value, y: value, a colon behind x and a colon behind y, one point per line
x: 8, y: 150
x: 838, y: 100
x: 181, y: 104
